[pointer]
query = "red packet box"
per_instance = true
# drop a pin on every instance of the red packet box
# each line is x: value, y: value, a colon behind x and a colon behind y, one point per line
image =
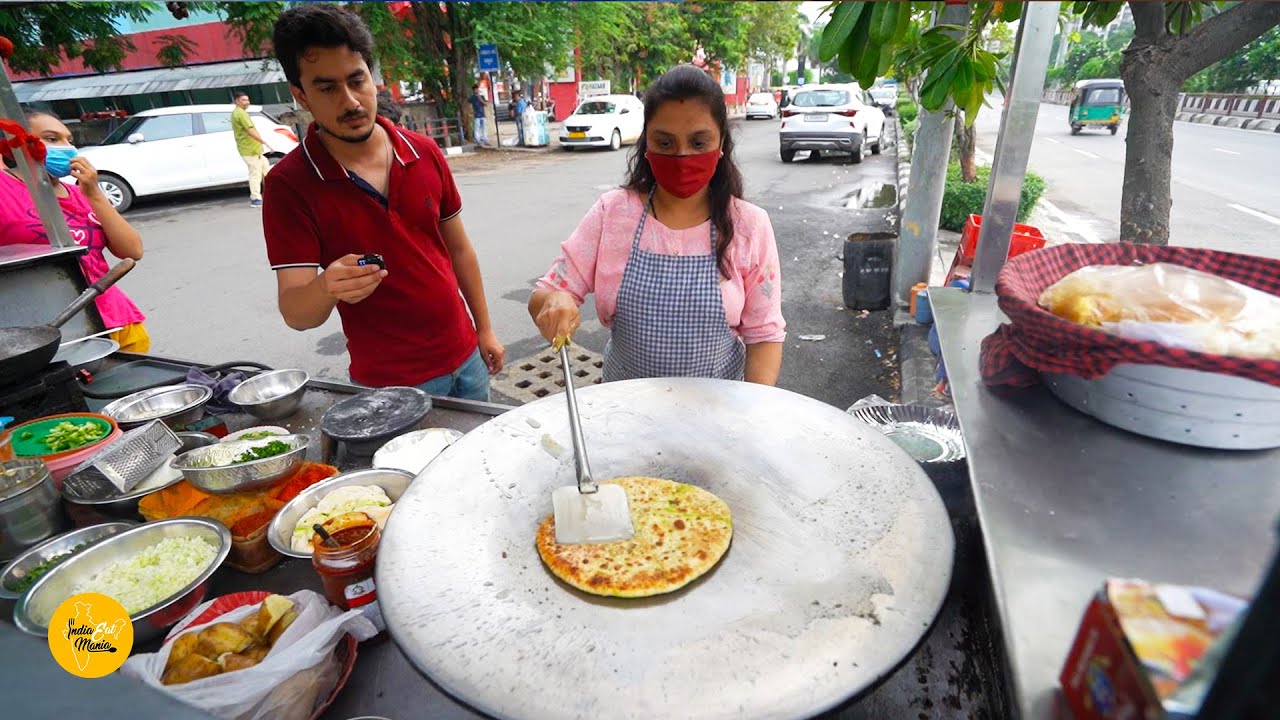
x: 1137, y: 645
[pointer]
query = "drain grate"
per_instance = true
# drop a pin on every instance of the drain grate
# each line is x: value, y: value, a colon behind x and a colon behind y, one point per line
x: 538, y: 376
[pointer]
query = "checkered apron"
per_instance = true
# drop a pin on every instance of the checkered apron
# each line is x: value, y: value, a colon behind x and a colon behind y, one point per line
x: 670, y: 319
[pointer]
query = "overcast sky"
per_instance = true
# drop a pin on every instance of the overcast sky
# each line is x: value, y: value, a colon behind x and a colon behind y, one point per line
x: 812, y: 9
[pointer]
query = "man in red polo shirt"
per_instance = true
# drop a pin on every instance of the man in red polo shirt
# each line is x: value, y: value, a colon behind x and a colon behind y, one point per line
x: 358, y: 185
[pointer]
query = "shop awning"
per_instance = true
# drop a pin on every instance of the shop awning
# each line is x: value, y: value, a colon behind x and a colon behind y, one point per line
x: 237, y: 73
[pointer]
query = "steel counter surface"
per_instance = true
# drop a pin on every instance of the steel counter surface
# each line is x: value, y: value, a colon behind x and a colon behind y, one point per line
x: 1066, y: 501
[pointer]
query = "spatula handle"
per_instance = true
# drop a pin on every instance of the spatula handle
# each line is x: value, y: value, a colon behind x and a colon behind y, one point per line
x: 585, y: 484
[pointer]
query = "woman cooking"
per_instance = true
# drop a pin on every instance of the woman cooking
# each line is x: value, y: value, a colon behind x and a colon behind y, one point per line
x: 685, y: 272
x: 90, y: 218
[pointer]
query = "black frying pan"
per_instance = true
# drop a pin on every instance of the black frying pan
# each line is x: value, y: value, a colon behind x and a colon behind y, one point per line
x: 26, y: 350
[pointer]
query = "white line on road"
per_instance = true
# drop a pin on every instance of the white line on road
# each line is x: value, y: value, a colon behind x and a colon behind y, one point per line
x: 1055, y: 142
x: 1072, y: 224
x: 1086, y: 153
x: 1229, y: 152
x: 1255, y: 213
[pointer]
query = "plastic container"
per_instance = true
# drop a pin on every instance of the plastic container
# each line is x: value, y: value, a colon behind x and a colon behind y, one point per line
x: 915, y: 292
x: 868, y: 261
x: 924, y: 311
x: 1025, y: 239
x: 347, y: 570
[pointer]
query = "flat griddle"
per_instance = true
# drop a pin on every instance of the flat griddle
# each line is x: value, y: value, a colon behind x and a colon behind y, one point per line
x: 841, y: 558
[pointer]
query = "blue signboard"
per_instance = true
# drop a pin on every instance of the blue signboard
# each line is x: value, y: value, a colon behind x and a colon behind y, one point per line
x: 489, y: 58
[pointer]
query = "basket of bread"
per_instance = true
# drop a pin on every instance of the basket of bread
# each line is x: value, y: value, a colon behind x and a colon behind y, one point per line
x: 255, y: 655
x: 1180, y: 344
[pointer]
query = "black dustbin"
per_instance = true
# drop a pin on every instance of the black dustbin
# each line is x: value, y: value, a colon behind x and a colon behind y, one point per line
x: 868, y: 259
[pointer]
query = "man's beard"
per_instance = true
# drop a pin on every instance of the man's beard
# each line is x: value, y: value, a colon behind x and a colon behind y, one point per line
x: 353, y: 139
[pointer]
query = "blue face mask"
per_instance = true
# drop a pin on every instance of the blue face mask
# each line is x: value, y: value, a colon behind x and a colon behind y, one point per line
x: 57, y: 159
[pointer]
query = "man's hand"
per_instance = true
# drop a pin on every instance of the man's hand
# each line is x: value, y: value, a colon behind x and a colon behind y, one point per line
x: 558, y: 317
x: 86, y: 176
x: 349, y: 282
x: 491, y: 350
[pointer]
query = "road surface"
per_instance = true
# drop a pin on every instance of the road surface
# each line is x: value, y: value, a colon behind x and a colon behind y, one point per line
x: 1224, y: 182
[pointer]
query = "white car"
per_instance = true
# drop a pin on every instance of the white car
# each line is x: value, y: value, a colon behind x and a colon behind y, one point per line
x: 603, y: 121
x: 190, y: 147
x: 837, y: 118
x: 762, y: 105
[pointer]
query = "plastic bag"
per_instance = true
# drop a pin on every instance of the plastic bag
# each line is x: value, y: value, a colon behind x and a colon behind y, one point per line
x: 1171, y: 305
x: 298, y: 673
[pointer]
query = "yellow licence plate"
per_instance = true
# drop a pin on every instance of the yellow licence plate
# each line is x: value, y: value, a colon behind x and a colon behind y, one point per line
x: 577, y: 136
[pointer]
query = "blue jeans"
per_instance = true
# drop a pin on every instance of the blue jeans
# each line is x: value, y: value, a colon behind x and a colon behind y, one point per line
x: 469, y: 382
x: 482, y: 137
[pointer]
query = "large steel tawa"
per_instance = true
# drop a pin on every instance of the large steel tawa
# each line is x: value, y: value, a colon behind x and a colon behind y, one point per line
x: 841, y: 558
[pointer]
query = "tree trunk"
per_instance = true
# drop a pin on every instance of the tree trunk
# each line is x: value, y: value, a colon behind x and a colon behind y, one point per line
x: 965, y: 143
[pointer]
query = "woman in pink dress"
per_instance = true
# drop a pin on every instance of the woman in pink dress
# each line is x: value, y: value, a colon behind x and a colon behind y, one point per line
x: 684, y: 271
x: 90, y: 218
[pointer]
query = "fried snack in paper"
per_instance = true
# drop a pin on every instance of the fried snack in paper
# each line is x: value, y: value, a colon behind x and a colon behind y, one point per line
x: 189, y: 669
x: 227, y: 647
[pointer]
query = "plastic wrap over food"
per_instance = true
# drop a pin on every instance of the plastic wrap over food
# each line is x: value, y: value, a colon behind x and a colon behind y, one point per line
x: 1171, y: 305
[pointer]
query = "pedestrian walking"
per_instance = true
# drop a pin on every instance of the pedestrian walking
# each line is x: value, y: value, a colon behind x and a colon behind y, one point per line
x: 249, y: 143
x: 684, y: 271
x: 365, y: 218
x: 478, y: 105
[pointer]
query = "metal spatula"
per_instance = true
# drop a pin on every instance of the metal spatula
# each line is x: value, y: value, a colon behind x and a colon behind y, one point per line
x: 586, y: 513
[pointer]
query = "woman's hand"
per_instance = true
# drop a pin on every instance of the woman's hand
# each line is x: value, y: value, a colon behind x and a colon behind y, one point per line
x: 86, y: 176
x: 555, y: 313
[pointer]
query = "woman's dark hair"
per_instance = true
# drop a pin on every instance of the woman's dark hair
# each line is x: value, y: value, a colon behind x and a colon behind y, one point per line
x: 313, y: 25
x: 29, y: 114
x: 685, y: 82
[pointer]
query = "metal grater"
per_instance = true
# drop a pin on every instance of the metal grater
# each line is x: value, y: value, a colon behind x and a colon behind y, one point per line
x: 138, y: 453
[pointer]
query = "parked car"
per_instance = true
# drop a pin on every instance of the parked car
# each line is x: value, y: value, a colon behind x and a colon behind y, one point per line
x: 190, y: 147
x: 603, y: 121
x: 762, y: 105
x: 836, y: 118
x: 885, y: 98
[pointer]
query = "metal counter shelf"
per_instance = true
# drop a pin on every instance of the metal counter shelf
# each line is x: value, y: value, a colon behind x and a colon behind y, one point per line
x: 1066, y: 501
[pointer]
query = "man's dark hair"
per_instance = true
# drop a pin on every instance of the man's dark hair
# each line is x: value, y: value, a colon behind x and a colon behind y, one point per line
x: 314, y: 25
x: 239, y: 94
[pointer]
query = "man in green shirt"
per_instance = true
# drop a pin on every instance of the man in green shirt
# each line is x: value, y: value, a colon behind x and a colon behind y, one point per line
x: 249, y: 143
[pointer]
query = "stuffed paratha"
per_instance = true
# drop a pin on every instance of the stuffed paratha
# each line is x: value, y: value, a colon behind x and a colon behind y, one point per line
x: 682, y: 531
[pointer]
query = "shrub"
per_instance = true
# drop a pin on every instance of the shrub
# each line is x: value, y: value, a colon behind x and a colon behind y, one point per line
x: 961, y: 199
x: 907, y: 110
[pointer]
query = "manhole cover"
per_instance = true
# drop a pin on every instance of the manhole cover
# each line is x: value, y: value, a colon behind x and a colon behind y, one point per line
x: 539, y: 375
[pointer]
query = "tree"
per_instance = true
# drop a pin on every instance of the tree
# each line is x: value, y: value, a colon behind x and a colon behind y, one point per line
x: 1254, y: 63
x: 1172, y: 41
x: 43, y: 33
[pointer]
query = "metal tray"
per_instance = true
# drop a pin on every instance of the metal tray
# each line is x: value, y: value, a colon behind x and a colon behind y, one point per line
x: 1188, y: 407
x: 841, y: 557
x: 930, y: 435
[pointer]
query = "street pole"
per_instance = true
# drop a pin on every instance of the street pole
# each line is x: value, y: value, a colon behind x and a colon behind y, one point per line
x: 1013, y: 146
x: 918, y: 229
x: 493, y: 90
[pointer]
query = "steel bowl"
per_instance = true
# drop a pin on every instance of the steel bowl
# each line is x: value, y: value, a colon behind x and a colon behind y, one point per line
x: 29, y: 508
x: 87, y: 354
x: 213, y: 470
x: 193, y: 440
x: 176, y: 405
x: 271, y: 395
x: 20, y: 566
x: 36, y: 608
x: 394, y: 482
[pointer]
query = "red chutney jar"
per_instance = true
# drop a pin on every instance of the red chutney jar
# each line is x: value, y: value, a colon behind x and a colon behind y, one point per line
x: 347, y: 570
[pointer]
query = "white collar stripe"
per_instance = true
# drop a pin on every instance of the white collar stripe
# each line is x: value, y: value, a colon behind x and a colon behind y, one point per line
x: 416, y: 156
x: 307, y: 151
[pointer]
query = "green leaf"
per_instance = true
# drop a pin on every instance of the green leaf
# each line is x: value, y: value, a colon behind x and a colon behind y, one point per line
x: 938, y: 85
x: 868, y: 64
x: 843, y: 21
x: 1011, y: 11
x: 884, y: 21
x: 904, y: 23
x: 886, y: 60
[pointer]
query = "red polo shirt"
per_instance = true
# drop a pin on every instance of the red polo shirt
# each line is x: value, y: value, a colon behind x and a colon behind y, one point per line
x: 415, y: 326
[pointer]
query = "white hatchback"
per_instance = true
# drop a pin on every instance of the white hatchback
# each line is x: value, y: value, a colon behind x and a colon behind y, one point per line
x: 762, y: 105
x: 603, y: 121
x: 837, y: 118
x: 172, y: 149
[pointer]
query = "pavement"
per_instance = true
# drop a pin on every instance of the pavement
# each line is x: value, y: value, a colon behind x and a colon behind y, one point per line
x: 1224, y: 182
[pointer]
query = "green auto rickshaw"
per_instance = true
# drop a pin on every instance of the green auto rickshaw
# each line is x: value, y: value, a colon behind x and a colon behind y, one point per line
x: 1096, y: 102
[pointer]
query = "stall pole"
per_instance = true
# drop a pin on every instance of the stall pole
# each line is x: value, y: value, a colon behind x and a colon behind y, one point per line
x: 55, y: 225
x: 1013, y: 146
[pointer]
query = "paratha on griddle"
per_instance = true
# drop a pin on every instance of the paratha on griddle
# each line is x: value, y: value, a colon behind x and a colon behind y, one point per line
x: 682, y: 531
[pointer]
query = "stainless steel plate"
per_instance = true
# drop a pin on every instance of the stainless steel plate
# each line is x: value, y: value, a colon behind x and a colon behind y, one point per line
x: 841, y: 558
x: 1188, y: 407
x: 930, y: 435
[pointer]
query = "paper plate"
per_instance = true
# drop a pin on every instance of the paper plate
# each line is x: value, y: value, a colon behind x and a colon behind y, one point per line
x: 930, y: 435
